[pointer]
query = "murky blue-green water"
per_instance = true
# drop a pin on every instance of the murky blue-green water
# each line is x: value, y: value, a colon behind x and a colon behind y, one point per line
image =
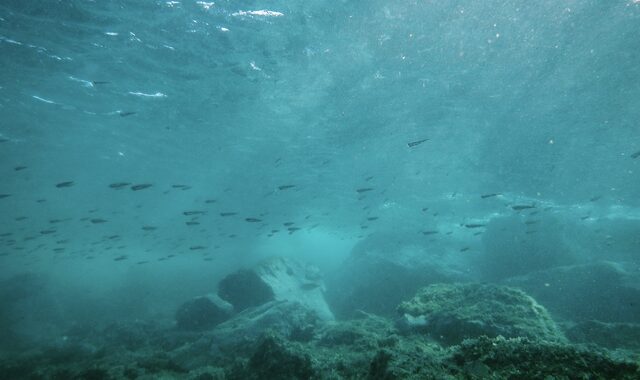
x: 149, y: 148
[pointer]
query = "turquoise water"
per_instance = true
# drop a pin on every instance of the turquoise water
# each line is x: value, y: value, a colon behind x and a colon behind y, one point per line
x: 306, y: 129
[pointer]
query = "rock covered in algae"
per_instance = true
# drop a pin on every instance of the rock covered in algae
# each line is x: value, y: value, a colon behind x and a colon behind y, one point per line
x: 451, y: 313
x: 522, y: 358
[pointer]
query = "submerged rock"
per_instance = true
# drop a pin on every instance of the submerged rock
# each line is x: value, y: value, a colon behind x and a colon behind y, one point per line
x: 202, y: 313
x: 385, y: 269
x: 512, y: 247
x: 604, y: 291
x: 272, y: 359
x: 281, y: 317
x: 276, y: 279
x: 609, y: 335
x: 522, y: 358
x: 451, y: 313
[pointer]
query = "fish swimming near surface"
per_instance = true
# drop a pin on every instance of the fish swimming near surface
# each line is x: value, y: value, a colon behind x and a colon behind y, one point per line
x: 98, y: 221
x: 64, y: 184
x: 18, y: 168
x: 149, y: 228
x: 522, y: 207
x: 416, y: 143
x: 120, y: 258
x: 285, y: 187
x: 141, y: 186
x: 253, y: 220
x: 99, y: 82
x: 485, y: 196
x: 636, y: 154
x: 119, y: 185
x: 192, y: 223
x: 126, y: 113
x: 464, y: 249
x: 4, y: 195
x: 287, y: 224
x: 430, y: 232
x: 197, y: 212
x: 228, y: 213
x: 364, y: 190
x: 475, y: 225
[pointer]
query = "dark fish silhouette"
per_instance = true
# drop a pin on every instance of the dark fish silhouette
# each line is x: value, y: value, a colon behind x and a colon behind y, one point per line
x: 364, y: 189
x: 120, y: 258
x: 99, y: 82
x: 464, y: 249
x: 64, y: 184
x: 141, y: 186
x: 18, y: 168
x: 372, y: 218
x: 149, y: 228
x: 194, y: 213
x: 119, y: 185
x: 183, y: 187
x: 126, y: 113
x: 228, y: 213
x: 285, y: 187
x: 636, y: 154
x: 430, y: 232
x: 522, y: 207
x: 197, y: 247
x: 596, y: 198
x: 192, y: 223
x: 416, y: 143
x: 47, y: 232
x: 98, y: 221
x: 210, y: 201
x: 485, y: 196
x: 253, y: 220
x: 4, y: 195
x: 475, y: 225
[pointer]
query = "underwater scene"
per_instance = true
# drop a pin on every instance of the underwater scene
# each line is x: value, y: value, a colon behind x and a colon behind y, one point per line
x: 261, y: 189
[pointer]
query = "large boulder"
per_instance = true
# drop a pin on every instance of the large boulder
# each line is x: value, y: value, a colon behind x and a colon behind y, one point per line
x: 203, y: 313
x: 451, y: 313
x: 604, y: 291
x: 519, y: 244
x: 276, y: 279
x: 609, y: 335
x: 386, y: 268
